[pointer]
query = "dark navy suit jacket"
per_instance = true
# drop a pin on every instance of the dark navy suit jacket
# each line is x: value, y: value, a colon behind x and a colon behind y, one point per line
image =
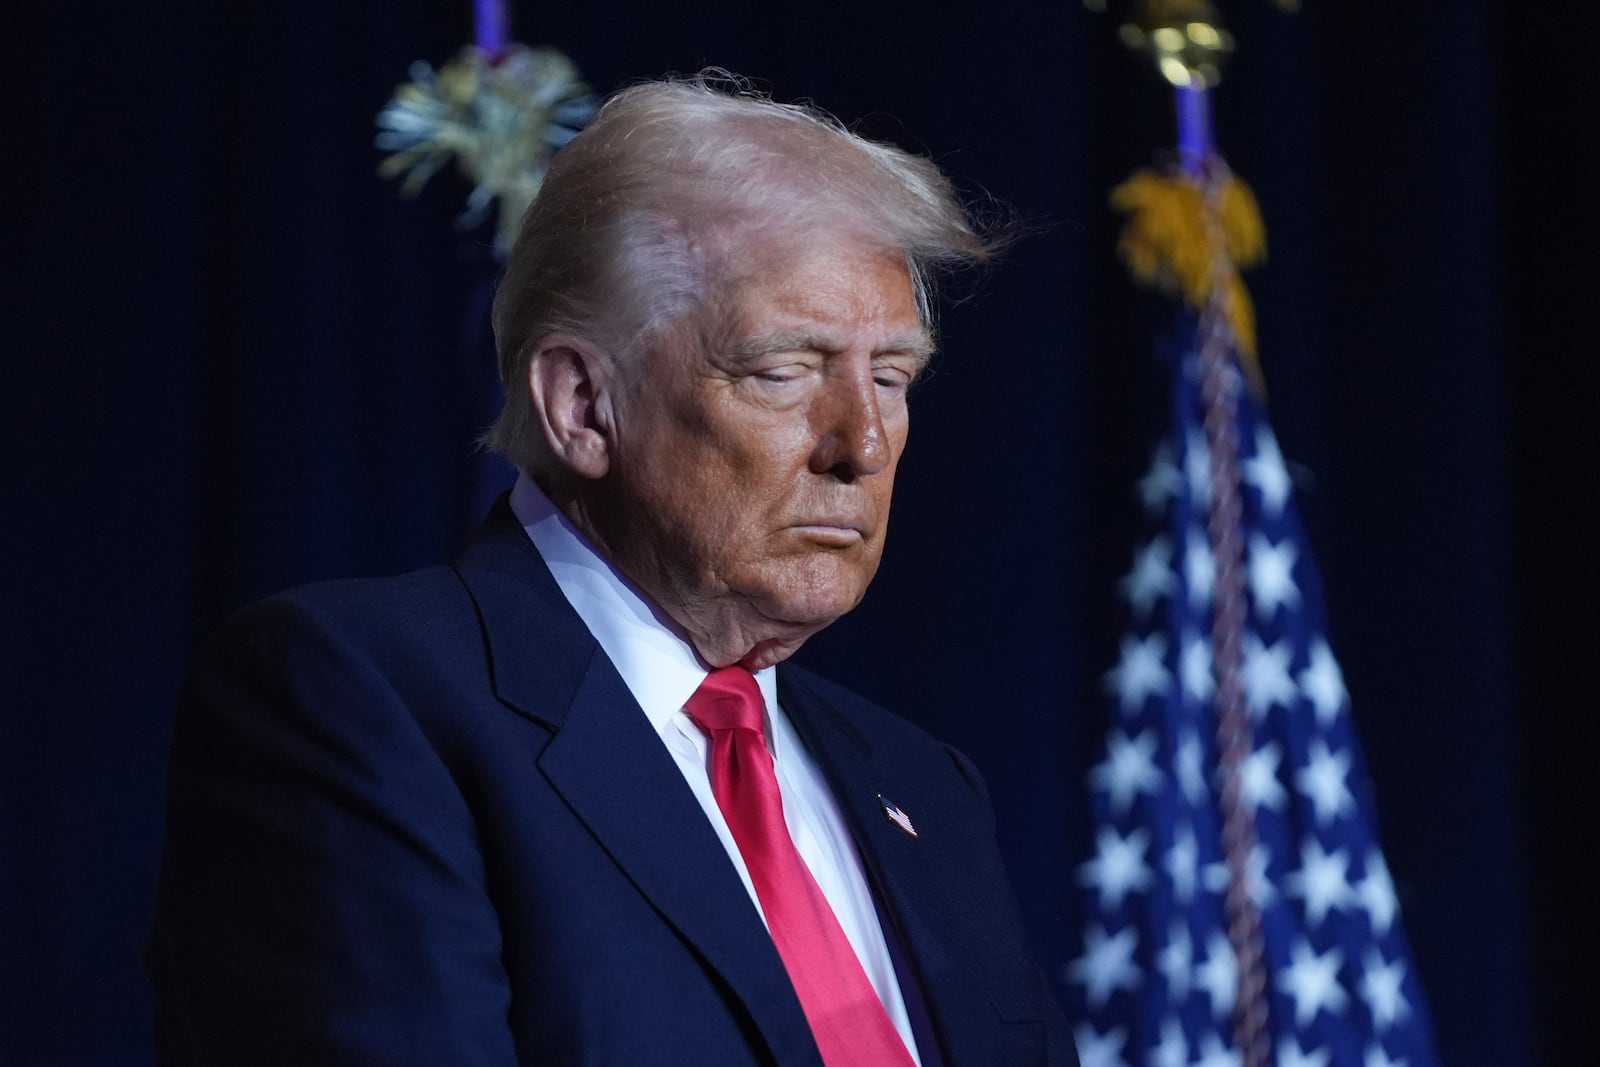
x: 421, y: 820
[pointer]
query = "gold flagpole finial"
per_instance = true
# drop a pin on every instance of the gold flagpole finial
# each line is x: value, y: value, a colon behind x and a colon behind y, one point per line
x: 1183, y: 38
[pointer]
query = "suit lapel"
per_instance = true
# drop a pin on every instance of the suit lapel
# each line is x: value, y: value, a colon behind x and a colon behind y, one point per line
x: 906, y: 871
x: 611, y: 768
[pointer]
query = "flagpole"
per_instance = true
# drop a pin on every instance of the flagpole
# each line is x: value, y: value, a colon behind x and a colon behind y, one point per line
x: 1192, y: 110
x: 1188, y: 44
x: 1267, y: 885
x: 1220, y: 382
x: 489, y: 25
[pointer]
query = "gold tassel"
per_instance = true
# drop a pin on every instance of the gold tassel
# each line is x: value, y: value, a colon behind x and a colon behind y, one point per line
x: 1167, y: 245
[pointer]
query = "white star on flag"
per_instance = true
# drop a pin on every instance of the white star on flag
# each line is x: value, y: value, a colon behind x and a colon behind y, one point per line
x: 1151, y: 577
x: 1128, y: 770
x: 1161, y: 483
x: 1271, y: 568
x: 1376, y: 1057
x: 1259, y: 778
x: 1140, y: 673
x: 1099, y: 1050
x: 1323, y: 684
x: 1199, y: 568
x: 1323, y: 781
x: 1106, y: 964
x: 1218, y: 975
x: 1381, y: 989
x: 1191, y: 778
x: 1267, y: 473
x: 1313, y: 982
x: 1322, y: 881
x: 1266, y: 676
x: 1173, y: 1051
x: 1118, y: 866
x: 1290, y: 1055
x: 1183, y: 864
x: 1375, y: 891
x: 1176, y: 960
x: 1194, y: 668
x: 1214, y: 1054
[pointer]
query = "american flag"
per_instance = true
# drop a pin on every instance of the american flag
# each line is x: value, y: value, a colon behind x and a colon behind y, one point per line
x: 896, y: 816
x: 1155, y: 979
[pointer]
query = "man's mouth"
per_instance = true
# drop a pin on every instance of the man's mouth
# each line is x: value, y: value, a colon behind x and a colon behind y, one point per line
x: 834, y: 531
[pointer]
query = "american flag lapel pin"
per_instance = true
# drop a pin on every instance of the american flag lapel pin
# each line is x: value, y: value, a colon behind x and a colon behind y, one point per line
x: 892, y: 812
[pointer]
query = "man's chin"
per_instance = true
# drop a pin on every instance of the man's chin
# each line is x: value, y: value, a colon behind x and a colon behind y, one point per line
x: 763, y: 621
x: 787, y: 626
x: 815, y: 587
x: 812, y: 608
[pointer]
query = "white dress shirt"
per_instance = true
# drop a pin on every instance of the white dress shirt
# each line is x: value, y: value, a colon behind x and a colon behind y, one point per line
x: 662, y: 671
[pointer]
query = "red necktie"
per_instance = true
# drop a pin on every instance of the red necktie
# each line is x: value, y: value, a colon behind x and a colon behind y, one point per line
x: 847, y: 1019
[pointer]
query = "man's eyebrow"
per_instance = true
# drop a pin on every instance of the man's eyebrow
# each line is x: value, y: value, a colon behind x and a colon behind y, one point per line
x: 914, y: 343
x: 766, y: 344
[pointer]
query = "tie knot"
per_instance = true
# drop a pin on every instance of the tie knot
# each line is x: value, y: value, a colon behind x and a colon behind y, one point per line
x: 729, y: 699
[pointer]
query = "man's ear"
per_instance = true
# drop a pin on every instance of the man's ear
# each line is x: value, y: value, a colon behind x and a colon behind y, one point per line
x: 568, y: 383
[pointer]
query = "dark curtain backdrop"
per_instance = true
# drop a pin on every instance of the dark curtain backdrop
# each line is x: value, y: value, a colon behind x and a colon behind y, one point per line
x: 236, y: 361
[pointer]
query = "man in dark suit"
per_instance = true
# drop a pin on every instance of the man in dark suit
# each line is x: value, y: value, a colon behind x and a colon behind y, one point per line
x: 554, y: 804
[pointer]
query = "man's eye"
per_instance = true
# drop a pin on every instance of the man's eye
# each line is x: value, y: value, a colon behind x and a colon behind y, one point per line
x: 787, y: 373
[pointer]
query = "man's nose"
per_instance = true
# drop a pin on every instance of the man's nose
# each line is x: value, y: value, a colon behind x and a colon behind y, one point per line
x: 848, y: 421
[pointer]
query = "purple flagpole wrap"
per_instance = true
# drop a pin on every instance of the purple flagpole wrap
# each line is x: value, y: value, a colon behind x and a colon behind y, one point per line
x: 489, y: 24
x: 1192, y: 105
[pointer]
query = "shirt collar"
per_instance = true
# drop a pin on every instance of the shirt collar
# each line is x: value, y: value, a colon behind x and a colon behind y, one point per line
x: 660, y: 668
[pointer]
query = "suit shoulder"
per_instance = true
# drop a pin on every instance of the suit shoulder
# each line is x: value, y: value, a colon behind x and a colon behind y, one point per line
x: 359, y: 601
x: 405, y: 607
x: 400, y: 632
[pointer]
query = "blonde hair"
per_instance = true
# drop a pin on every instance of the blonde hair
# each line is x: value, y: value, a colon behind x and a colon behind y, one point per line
x: 645, y: 211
